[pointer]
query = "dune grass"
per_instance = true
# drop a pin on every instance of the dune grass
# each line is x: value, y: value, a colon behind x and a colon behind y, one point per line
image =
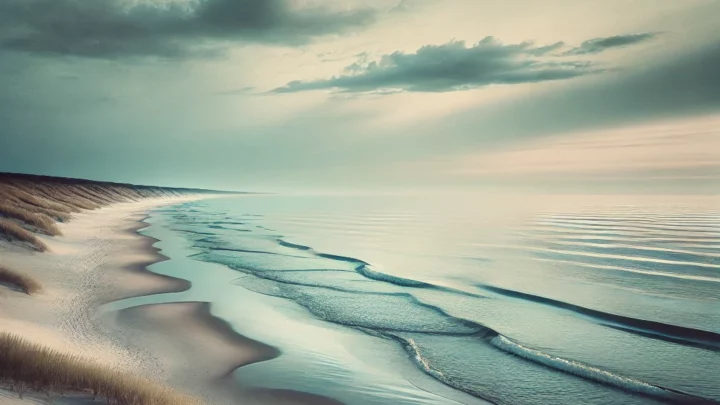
x: 17, y: 193
x: 37, y: 220
x: 22, y: 281
x: 31, y: 203
x: 13, y: 231
x: 26, y: 367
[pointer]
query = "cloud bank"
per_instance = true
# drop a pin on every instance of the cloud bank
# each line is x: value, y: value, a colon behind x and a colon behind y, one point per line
x: 194, y: 28
x: 452, y: 66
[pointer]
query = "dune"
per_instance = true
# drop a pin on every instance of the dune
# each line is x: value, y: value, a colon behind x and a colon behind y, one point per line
x: 31, y: 204
x: 52, y: 349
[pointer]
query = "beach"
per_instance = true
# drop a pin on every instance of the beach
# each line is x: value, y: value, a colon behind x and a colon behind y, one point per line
x: 101, y: 295
x: 102, y: 258
x: 386, y: 202
x: 371, y: 300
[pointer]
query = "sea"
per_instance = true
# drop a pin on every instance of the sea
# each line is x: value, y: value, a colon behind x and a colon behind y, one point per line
x: 460, y: 297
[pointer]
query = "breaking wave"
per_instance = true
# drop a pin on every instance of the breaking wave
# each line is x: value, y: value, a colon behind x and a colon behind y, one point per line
x: 593, y: 373
x: 652, y: 329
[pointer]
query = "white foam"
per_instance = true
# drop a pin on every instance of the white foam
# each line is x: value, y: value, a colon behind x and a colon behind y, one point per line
x: 422, y: 362
x: 577, y: 368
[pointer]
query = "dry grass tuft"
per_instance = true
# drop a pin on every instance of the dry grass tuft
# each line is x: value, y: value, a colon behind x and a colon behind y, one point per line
x: 38, y: 220
x: 25, y: 283
x: 14, y: 231
x: 28, y: 367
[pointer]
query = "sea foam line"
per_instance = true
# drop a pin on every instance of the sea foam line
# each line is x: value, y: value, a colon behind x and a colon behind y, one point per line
x: 422, y: 362
x: 578, y: 369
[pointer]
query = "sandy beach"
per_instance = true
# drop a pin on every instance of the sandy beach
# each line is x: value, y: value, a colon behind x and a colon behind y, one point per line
x: 102, y: 258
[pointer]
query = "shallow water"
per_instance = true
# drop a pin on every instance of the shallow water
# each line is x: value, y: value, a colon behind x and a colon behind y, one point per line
x: 417, y: 299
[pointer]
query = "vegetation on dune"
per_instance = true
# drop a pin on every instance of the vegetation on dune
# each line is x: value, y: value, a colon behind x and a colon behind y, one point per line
x: 31, y: 203
x: 22, y: 281
x: 12, y: 232
x: 20, y: 195
x: 26, y: 366
x: 39, y: 221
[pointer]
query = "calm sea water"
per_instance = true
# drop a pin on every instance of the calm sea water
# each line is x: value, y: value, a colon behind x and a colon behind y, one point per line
x: 458, y: 298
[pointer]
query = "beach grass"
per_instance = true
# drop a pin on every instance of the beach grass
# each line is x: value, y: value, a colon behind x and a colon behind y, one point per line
x: 38, y: 220
x: 17, y: 194
x: 29, y: 367
x: 33, y: 204
x: 22, y: 281
x: 15, y: 232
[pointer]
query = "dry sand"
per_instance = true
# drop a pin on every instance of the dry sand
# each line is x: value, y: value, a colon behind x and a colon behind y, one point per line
x: 102, y: 258
x: 80, y: 271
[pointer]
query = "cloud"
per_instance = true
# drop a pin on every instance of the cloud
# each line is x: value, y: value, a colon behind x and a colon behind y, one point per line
x: 597, y: 45
x: 680, y: 84
x: 194, y: 28
x: 450, y: 67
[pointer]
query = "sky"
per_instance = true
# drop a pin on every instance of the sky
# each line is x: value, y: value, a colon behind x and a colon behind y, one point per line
x: 273, y: 95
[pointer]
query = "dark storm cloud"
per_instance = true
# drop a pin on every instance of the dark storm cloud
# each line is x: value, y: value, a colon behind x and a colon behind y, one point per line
x: 115, y: 28
x: 597, y: 45
x: 450, y: 67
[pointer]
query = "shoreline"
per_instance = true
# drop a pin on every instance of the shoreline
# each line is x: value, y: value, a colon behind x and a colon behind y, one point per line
x: 103, y: 258
x: 131, y: 280
x: 319, y: 357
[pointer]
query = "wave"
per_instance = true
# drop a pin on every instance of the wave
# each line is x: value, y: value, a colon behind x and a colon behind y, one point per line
x: 576, y: 368
x: 293, y: 245
x: 412, y: 348
x: 344, y: 307
x: 228, y: 223
x: 593, y: 373
x: 565, y: 366
x: 349, y: 307
x: 281, y: 277
x: 611, y: 238
x: 652, y: 329
x: 261, y: 252
x: 367, y: 272
x: 228, y: 229
x: 192, y: 232
x: 631, y: 270
x: 604, y: 232
x: 619, y: 248
x: 587, y: 255
x: 622, y: 226
x: 363, y: 268
x: 403, y: 282
x: 341, y: 258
